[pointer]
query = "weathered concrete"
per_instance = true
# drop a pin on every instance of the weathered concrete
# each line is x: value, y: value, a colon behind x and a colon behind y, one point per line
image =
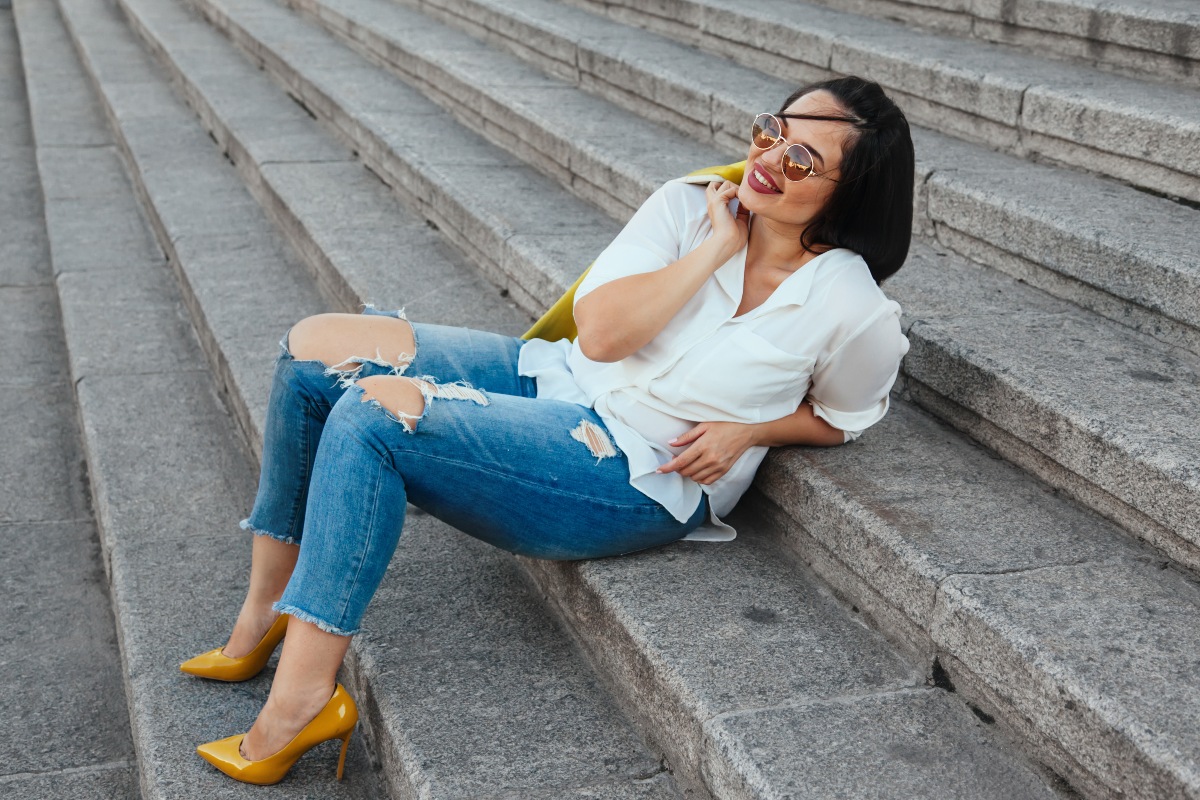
x: 1121, y: 639
x: 1156, y: 39
x: 65, y: 731
x: 923, y: 740
x: 106, y: 780
x: 1024, y: 379
x: 725, y: 716
x: 429, y: 178
x: 14, y: 116
x: 900, y: 519
x: 457, y: 613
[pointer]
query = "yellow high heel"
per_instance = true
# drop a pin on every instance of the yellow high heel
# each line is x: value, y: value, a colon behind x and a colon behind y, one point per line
x: 335, y: 721
x: 219, y: 667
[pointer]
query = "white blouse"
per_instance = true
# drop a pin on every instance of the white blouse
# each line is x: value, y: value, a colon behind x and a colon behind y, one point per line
x: 827, y: 333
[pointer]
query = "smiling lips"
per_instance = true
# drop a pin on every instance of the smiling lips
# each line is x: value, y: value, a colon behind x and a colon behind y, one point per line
x: 760, y: 181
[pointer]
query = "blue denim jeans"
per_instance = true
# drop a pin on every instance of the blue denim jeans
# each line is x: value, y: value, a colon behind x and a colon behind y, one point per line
x: 541, y: 478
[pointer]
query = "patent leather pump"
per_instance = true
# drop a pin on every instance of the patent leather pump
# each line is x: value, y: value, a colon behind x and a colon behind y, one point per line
x: 219, y: 667
x: 335, y: 721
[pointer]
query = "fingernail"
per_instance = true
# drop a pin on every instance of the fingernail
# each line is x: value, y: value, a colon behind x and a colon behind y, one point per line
x: 672, y: 441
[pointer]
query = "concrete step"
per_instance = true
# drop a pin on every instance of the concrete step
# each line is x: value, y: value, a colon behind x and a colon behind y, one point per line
x: 65, y: 732
x: 1130, y: 257
x: 1103, y: 451
x: 1109, y: 124
x: 425, y: 666
x: 632, y: 635
x: 1158, y: 39
x: 743, y: 763
x: 163, y: 456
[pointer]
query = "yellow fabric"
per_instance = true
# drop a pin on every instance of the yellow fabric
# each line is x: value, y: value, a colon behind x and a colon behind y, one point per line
x: 559, y: 321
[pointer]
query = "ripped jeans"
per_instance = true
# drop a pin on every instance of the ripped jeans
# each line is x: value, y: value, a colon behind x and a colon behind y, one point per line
x: 540, y: 478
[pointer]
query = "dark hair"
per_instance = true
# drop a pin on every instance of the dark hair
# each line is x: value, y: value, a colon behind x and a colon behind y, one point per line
x: 870, y: 210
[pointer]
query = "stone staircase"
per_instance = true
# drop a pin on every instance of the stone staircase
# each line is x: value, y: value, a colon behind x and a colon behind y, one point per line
x: 994, y: 593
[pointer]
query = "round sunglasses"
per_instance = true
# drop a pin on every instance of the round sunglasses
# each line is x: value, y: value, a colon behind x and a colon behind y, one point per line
x: 797, y: 160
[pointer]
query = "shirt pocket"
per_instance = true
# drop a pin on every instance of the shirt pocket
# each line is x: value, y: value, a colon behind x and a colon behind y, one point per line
x: 742, y: 371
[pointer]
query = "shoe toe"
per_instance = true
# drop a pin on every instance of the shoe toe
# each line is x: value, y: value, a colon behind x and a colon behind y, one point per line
x: 223, y: 753
x: 201, y: 664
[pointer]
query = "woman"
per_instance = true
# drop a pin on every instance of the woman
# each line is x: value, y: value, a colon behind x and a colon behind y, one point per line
x: 701, y: 329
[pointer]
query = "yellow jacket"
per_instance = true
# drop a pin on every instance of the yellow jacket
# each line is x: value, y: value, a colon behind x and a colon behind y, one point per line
x: 559, y: 321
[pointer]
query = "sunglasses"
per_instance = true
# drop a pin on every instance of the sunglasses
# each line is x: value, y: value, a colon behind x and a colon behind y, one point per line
x: 797, y: 160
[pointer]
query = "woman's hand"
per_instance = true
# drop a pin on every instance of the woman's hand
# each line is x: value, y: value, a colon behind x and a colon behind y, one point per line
x: 715, y: 446
x: 730, y: 229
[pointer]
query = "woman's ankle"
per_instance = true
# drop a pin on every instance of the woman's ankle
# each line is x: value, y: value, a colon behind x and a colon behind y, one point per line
x: 252, y: 624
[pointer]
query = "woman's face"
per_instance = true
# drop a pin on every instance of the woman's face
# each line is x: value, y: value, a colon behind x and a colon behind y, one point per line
x: 764, y: 190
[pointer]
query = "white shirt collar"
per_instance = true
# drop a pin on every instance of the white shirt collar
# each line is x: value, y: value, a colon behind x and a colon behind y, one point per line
x: 794, y: 290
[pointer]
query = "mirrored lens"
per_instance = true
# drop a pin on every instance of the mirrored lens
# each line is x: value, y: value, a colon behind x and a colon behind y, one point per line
x: 797, y: 163
x: 765, y: 131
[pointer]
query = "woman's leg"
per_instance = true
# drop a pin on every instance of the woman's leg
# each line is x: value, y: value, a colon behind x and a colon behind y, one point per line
x: 319, y: 357
x: 537, y: 477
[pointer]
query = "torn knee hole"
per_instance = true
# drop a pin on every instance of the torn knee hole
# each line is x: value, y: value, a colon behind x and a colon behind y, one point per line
x: 348, y: 371
x: 429, y: 390
x: 595, y: 438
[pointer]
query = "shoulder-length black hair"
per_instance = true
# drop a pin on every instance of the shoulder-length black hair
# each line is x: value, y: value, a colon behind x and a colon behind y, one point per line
x: 870, y: 210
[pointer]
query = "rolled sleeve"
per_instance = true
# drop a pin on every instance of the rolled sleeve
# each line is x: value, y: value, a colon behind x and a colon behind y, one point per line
x: 850, y: 390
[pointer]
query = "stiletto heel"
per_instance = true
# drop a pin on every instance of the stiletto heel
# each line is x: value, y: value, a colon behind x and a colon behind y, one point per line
x: 217, y: 666
x: 335, y: 721
x: 342, y: 757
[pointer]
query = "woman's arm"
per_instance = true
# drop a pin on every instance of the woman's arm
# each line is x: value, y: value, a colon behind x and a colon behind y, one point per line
x: 617, y: 318
x: 800, y: 427
x: 715, y: 446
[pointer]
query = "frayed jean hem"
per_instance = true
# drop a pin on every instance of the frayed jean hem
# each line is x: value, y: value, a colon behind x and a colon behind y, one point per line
x: 304, y: 616
x: 246, y: 526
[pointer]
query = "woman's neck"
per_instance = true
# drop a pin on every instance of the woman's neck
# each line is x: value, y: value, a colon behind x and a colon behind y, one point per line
x: 774, y: 247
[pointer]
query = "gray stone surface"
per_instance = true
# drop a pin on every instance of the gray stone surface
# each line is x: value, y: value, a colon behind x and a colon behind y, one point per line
x: 485, y: 648
x: 1151, y: 39
x: 58, y: 90
x: 23, y: 254
x: 437, y: 174
x: 347, y: 225
x: 915, y: 503
x: 14, y: 119
x: 135, y: 460
x: 61, y: 682
x: 990, y: 569
x: 381, y: 254
x: 41, y: 473
x: 724, y: 717
x: 1066, y: 543
x: 104, y: 782
x: 34, y: 353
x: 1025, y: 378
x: 545, y: 243
x: 1166, y: 27
x: 526, y: 112
x: 65, y: 731
x: 923, y: 740
x: 1107, y: 646
x: 135, y: 321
